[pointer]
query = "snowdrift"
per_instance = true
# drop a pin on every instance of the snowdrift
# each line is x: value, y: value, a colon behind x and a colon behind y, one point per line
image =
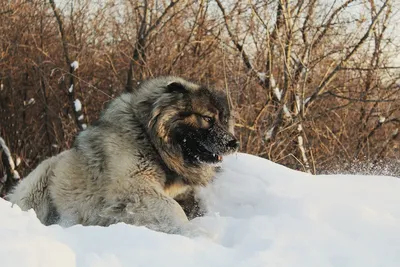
x: 261, y: 213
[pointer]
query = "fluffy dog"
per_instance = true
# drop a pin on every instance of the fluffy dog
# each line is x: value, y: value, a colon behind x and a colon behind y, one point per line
x: 147, y: 150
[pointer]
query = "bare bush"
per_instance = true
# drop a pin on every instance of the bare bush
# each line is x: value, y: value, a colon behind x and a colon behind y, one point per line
x: 314, y: 83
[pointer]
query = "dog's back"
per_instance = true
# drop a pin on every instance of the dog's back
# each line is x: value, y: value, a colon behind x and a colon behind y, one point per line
x: 33, y: 191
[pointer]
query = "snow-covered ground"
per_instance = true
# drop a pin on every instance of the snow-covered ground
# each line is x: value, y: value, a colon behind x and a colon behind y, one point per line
x: 262, y: 214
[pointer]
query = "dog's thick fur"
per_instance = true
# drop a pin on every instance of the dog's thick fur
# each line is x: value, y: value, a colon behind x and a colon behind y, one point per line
x: 148, y: 149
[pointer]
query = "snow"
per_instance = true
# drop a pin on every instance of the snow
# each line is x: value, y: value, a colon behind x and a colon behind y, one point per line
x: 75, y: 65
x: 286, y: 112
x: 298, y: 103
x: 272, y: 81
x: 78, y: 105
x: 4, y: 149
x: 80, y: 117
x: 261, y: 214
x: 17, y: 161
x: 262, y: 76
x: 278, y: 93
x: 71, y: 88
x: 268, y: 135
x: 31, y: 101
x: 16, y: 174
x: 5, y: 152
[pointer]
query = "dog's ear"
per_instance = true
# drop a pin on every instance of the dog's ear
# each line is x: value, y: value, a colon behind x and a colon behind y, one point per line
x: 176, y: 87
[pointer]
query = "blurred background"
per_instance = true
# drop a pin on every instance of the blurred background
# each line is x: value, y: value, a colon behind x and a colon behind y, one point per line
x: 315, y: 84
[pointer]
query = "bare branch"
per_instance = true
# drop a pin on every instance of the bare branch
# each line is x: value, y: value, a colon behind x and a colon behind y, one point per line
x: 332, y: 74
x: 11, y: 176
x: 71, y: 88
x: 144, y: 31
x: 360, y: 99
x: 328, y: 24
x: 238, y: 46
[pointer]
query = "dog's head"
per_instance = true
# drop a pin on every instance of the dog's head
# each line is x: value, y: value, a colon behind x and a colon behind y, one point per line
x: 203, y: 127
x: 191, y: 124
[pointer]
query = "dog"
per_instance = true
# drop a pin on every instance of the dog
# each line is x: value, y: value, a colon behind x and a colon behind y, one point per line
x: 149, y: 151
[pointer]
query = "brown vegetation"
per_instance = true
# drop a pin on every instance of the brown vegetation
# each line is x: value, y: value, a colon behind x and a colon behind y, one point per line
x: 314, y: 83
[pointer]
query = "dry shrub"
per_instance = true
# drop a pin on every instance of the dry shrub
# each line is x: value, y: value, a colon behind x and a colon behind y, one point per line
x: 313, y: 84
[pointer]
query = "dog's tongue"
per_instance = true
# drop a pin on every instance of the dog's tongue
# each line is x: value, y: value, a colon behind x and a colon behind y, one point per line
x: 219, y: 158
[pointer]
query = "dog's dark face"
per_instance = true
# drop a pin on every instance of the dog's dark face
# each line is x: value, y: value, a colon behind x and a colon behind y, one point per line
x: 202, y: 127
x: 197, y: 122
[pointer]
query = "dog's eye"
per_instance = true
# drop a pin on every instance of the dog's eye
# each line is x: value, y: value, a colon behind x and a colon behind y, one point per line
x: 208, y: 119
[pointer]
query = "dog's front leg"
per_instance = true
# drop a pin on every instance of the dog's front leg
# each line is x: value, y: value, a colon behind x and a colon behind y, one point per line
x: 153, y: 209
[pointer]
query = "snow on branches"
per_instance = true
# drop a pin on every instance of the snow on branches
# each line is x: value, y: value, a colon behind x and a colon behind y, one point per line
x: 10, y: 176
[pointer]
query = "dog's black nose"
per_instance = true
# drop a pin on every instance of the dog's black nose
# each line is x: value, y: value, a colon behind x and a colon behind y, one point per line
x: 233, y: 144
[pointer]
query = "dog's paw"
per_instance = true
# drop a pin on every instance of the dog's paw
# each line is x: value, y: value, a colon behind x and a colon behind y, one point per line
x: 188, y: 229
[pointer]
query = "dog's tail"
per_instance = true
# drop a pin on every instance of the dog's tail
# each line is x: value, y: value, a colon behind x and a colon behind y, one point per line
x: 33, y: 192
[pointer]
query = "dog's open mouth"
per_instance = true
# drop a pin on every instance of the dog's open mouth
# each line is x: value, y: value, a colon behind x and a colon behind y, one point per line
x: 210, y: 158
x: 202, y: 155
x: 198, y: 152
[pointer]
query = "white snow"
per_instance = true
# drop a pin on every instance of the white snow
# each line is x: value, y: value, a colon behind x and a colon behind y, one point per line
x: 84, y: 126
x: 16, y: 174
x: 268, y: 135
x: 278, y: 93
x: 31, y: 101
x: 272, y: 81
x: 80, y: 117
x: 6, y: 151
x: 298, y: 103
x: 261, y: 76
x: 71, y: 88
x: 17, y: 161
x: 75, y: 65
x: 262, y: 214
x: 286, y: 112
x: 77, y: 104
x: 299, y: 128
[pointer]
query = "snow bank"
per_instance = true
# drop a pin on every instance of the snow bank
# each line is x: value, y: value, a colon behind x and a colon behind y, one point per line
x: 262, y: 214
